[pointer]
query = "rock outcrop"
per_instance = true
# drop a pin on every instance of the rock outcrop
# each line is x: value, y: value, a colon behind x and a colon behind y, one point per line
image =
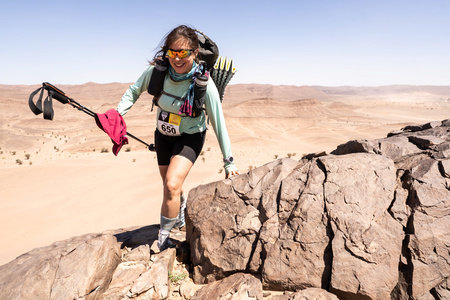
x: 81, y: 267
x: 369, y: 221
x: 111, y: 265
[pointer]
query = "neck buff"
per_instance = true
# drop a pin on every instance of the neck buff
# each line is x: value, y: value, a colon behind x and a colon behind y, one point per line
x: 180, y: 77
x: 186, y: 107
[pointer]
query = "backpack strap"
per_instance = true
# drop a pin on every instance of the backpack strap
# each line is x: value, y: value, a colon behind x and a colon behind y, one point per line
x: 156, y: 84
x: 170, y: 95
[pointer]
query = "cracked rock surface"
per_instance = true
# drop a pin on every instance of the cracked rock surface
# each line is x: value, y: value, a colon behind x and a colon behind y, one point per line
x: 369, y: 221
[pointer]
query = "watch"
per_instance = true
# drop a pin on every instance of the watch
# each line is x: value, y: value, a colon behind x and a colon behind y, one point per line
x: 228, y: 160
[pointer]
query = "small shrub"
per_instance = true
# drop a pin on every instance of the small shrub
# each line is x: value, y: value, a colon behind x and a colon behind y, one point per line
x: 128, y: 149
x: 134, y: 159
x: 176, y: 277
x: 104, y: 150
x: 18, y: 161
x: 276, y: 156
x: 13, y: 153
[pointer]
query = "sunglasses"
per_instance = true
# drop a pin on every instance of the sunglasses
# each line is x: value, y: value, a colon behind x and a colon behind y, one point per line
x: 182, y: 53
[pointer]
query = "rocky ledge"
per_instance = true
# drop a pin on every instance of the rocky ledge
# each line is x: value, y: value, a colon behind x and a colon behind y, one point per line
x: 371, y: 220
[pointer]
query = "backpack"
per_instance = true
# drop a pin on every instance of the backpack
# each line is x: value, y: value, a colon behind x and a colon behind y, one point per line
x: 219, y: 68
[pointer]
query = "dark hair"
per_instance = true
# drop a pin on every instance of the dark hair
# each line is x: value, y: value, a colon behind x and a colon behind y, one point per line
x: 179, y: 31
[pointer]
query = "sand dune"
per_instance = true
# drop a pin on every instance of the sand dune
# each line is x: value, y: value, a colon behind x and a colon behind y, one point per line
x: 59, y: 178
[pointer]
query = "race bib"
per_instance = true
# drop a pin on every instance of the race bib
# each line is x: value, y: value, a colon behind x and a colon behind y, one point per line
x: 169, y: 124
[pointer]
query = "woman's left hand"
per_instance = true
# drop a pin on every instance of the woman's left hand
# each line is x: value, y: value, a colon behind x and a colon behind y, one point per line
x: 232, y: 173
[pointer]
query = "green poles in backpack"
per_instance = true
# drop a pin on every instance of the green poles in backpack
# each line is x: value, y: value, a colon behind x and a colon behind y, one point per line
x: 222, y: 73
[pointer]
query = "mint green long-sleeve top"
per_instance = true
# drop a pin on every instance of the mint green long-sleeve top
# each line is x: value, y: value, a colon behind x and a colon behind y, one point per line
x: 170, y: 104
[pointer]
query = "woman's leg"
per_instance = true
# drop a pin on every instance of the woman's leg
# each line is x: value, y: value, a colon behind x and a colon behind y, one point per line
x: 180, y: 217
x: 173, y: 177
x: 174, y: 170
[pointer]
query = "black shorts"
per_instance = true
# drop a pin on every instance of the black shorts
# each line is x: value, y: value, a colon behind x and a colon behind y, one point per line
x: 187, y: 145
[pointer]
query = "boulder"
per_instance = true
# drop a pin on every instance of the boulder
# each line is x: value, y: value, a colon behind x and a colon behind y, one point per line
x: 142, y: 274
x: 81, y: 267
x: 307, y: 294
x: 367, y: 242
x: 429, y: 228
x: 311, y: 217
x: 218, y: 248
x: 112, y: 265
x: 356, y: 146
x: 370, y: 221
x: 238, y: 286
x: 154, y: 282
x: 393, y: 147
x: 298, y: 234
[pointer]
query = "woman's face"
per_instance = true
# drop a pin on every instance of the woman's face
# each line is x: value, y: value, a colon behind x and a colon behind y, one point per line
x: 182, y: 65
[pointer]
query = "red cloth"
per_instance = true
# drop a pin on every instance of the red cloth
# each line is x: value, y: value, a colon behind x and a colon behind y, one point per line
x: 114, y: 125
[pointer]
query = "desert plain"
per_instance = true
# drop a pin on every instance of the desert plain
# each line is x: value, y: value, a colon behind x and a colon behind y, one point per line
x: 60, y: 178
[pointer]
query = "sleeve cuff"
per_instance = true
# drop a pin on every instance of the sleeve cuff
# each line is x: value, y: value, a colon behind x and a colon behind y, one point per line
x: 229, y: 167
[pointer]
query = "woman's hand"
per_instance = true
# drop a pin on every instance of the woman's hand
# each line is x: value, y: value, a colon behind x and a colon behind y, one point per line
x: 232, y: 173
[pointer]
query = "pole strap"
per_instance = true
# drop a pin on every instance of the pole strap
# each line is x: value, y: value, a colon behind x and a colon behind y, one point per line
x: 55, y: 93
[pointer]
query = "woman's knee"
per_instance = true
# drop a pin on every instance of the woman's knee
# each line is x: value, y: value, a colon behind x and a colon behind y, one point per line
x: 173, y: 186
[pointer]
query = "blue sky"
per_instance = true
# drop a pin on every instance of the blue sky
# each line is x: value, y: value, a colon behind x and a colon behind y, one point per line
x: 277, y: 42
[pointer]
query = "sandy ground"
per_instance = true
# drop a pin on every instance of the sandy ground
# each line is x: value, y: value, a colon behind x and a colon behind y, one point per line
x: 59, y: 178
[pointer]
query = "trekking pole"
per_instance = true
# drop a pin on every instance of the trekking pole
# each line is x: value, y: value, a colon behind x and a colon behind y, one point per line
x: 150, y: 147
x: 54, y: 92
x: 78, y: 106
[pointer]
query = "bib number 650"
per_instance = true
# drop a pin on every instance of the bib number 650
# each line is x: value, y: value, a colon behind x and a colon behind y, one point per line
x: 168, y: 129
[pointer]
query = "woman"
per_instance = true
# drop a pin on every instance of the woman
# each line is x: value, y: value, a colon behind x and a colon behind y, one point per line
x: 178, y: 148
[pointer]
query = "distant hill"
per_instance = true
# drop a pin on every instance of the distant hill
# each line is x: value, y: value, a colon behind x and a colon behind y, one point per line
x: 384, y: 90
x: 112, y: 92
